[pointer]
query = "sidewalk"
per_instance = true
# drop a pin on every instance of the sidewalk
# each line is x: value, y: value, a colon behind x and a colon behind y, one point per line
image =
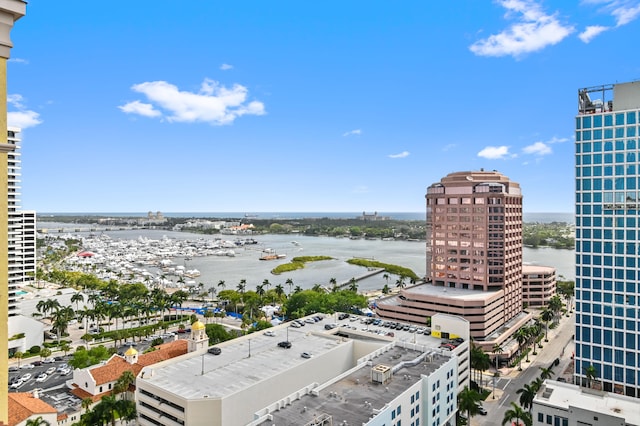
x: 562, y: 370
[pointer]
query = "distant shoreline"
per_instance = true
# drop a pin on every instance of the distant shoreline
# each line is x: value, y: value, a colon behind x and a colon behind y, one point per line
x: 408, y: 216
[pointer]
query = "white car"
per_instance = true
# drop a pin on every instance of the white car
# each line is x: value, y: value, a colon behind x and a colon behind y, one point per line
x: 50, y: 371
x: 42, y: 377
x: 25, y: 377
x: 269, y: 333
x: 27, y: 366
x: 49, y: 360
x: 17, y: 384
x: 65, y: 371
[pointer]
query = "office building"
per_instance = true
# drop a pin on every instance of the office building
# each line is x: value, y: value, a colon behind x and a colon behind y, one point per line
x: 607, y: 237
x: 335, y: 370
x: 10, y: 11
x: 474, y: 256
x: 538, y: 285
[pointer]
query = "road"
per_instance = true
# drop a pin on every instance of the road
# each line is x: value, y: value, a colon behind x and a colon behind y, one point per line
x: 560, y: 346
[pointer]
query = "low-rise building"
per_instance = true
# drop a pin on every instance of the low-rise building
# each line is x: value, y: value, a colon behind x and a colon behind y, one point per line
x: 255, y: 380
x: 25, y: 406
x: 565, y: 404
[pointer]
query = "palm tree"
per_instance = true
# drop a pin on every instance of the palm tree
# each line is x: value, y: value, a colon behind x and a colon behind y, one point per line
x: 523, y: 418
x: 469, y: 402
x: 521, y: 337
x: 86, y: 404
x: 546, y: 316
x: 289, y: 282
x: 212, y: 291
x: 77, y: 298
x: 386, y: 278
x: 546, y: 373
x: 591, y: 374
x: 18, y: 355
x: 527, y: 394
x: 497, y: 350
x: 125, y: 380
x: 38, y: 421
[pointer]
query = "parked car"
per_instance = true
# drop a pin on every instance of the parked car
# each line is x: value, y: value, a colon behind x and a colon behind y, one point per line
x: 285, y: 344
x: 36, y: 363
x: 482, y: 411
x: 63, y: 367
x: 269, y: 333
x: 215, y: 351
x: 41, y: 377
x: 16, y: 384
x: 50, y: 370
x: 305, y: 355
x: 49, y: 360
x: 14, y: 368
x: 27, y: 366
x: 65, y: 371
x: 25, y: 377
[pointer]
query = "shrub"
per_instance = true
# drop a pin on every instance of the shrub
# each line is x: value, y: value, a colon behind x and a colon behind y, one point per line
x: 34, y: 349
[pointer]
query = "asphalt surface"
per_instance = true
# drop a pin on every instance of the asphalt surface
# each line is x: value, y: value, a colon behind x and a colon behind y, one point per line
x: 559, y: 346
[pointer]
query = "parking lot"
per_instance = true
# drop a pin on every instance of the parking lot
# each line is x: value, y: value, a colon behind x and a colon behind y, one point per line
x: 49, y: 373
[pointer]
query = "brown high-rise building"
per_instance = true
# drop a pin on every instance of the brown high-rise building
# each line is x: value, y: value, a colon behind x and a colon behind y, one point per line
x: 476, y: 235
x: 474, y: 259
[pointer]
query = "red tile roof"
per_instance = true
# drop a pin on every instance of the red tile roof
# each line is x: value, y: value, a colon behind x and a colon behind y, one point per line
x: 23, y: 405
x: 113, y: 369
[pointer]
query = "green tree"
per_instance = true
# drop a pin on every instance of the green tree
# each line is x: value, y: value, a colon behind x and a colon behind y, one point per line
x: 591, y: 373
x: 469, y: 402
x: 527, y: 394
x: 38, y: 421
x: 522, y: 418
x: 18, y: 355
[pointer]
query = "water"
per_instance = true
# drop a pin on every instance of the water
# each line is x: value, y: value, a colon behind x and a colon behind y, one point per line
x: 246, y: 264
x: 528, y: 217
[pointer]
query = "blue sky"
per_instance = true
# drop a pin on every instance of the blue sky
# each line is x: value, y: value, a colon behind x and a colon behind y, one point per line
x: 132, y: 106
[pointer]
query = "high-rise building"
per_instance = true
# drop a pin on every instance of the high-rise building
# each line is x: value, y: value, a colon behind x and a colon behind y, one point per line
x: 607, y: 288
x: 474, y: 259
x: 22, y: 229
x: 10, y: 11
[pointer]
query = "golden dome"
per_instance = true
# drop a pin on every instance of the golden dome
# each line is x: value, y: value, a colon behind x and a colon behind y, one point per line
x: 131, y: 351
x: 197, y: 326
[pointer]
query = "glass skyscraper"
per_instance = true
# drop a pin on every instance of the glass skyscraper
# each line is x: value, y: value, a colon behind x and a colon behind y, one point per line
x: 607, y: 292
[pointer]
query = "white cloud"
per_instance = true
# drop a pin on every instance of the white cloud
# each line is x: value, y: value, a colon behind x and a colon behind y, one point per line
x: 494, y: 152
x: 533, y: 31
x: 225, y: 67
x: 214, y: 103
x: 403, y: 154
x: 22, y: 118
x: 556, y: 139
x: 137, y: 107
x: 357, y: 132
x: 537, y: 148
x: 18, y: 60
x: 591, y: 32
x: 624, y: 11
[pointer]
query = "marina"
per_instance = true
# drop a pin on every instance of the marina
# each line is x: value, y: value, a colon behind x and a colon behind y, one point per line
x: 175, y: 260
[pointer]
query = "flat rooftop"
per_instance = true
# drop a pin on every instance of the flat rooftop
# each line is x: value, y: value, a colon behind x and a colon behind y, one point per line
x: 255, y: 357
x: 565, y: 395
x: 439, y: 291
x: 355, y: 398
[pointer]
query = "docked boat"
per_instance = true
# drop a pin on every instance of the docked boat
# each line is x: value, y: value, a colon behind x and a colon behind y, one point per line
x: 272, y: 256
